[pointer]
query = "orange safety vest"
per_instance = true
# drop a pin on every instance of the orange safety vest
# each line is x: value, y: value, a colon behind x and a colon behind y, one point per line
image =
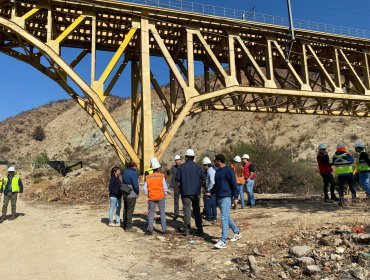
x: 239, y: 180
x: 154, y: 184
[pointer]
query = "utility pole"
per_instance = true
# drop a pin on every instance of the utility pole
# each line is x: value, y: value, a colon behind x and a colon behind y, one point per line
x: 291, y: 27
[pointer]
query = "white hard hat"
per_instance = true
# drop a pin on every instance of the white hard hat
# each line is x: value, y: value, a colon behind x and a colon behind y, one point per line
x: 156, y: 165
x: 11, y: 169
x: 190, y: 153
x: 206, y: 160
x: 153, y: 160
x: 177, y: 157
x: 360, y: 145
x: 322, y: 147
x: 237, y: 159
x: 340, y: 145
x: 245, y: 156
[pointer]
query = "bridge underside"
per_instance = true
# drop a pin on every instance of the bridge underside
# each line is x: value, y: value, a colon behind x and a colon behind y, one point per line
x: 243, y: 65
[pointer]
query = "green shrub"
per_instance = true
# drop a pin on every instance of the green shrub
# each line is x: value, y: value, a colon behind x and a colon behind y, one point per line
x: 41, y: 160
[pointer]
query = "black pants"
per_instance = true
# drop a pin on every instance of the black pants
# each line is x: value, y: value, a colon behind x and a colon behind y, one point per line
x: 341, y: 182
x: 128, y: 211
x: 176, y: 197
x: 188, y: 202
x: 328, y: 179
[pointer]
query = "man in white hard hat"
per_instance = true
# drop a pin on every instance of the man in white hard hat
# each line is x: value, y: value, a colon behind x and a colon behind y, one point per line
x: 11, y: 186
x: 191, y: 177
x: 175, y: 186
x: 210, y: 199
x: 363, y: 167
x: 326, y: 173
x: 249, y: 176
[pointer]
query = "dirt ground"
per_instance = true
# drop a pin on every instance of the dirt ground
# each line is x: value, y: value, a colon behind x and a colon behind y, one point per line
x: 50, y: 241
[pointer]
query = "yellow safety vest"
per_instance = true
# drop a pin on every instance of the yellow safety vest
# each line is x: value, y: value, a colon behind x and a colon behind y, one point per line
x: 15, y: 184
x: 362, y: 164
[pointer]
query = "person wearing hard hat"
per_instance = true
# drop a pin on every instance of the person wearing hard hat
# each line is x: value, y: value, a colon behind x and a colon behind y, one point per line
x: 363, y: 167
x: 174, y: 185
x: 11, y: 186
x: 210, y: 199
x: 130, y: 177
x: 240, y: 181
x: 150, y: 169
x: 343, y: 168
x: 155, y: 188
x: 191, y: 178
x: 326, y: 173
x: 249, y: 176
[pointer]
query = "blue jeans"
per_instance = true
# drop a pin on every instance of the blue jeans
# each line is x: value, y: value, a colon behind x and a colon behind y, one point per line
x: 115, y: 203
x: 241, y: 195
x: 210, y: 205
x: 225, y: 203
x: 365, y: 181
x: 250, y: 193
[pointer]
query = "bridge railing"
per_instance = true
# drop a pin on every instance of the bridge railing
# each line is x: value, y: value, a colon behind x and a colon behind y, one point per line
x: 252, y: 16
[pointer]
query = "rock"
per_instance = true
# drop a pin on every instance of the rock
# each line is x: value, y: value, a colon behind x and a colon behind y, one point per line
x: 326, y: 241
x: 326, y: 269
x: 256, y: 252
x: 300, y: 251
x: 337, y: 242
x: 348, y: 243
x: 241, y: 245
x: 365, y: 238
x: 340, y: 250
x: 359, y: 273
x: 161, y: 238
x: 283, y: 275
x: 306, y: 261
x: 228, y: 262
x: 311, y: 269
x: 336, y: 257
x: 253, y: 263
x: 221, y: 276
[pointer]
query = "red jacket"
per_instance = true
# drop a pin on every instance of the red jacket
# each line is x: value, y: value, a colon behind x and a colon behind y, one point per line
x: 248, y: 168
x: 324, y: 164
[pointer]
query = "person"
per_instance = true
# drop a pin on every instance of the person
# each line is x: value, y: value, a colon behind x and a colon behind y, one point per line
x: 174, y: 185
x: 190, y: 178
x: 210, y: 199
x: 343, y: 168
x: 131, y: 178
x: 225, y: 189
x: 363, y: 167
x: 155, y: 188
x: 114, y: 196
x: 326, y: 173
x: 11, y: 186
x: 249, y: 176
x: 240, y: 181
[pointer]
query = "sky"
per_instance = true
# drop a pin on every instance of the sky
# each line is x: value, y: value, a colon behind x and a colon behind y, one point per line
x: 23, y: 87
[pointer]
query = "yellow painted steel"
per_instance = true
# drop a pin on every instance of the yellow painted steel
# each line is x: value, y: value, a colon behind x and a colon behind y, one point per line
x: 31, y: 13
x: 70, y: 29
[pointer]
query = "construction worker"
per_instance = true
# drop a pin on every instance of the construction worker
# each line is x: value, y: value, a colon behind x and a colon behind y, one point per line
x: 11, y: 186
x: 363, y: 167
x: 326, y: 173
x: 226, y: 190
x: 210, y: 199
x: 150, y: 169
x: 249, y: 176
x: 155, y: 188
x: 130, y: 177
x: 191, y: 177
x: 174, y: 185
x: 343, y: 168
x: 240, y: 181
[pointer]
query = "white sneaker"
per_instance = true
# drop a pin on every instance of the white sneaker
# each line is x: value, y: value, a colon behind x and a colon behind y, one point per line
x: 220, y: 245
x: 236, y: 237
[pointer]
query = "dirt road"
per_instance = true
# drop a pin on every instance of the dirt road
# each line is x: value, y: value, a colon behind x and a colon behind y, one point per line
x: 73, y: 242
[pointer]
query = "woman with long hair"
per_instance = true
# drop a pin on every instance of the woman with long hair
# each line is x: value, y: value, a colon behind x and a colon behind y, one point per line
x: 114, y: 196
x: 240, y: 181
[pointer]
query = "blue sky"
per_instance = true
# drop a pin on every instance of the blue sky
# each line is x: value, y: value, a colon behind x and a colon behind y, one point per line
x: 24, y: 88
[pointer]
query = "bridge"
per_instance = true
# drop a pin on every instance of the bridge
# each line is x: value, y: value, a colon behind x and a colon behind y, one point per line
x: 244, y: 63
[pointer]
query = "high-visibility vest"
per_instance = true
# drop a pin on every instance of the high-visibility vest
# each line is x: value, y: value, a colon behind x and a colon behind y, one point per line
x: 154, y: 184
x: 14, y: 184
x: 239, y: 180
x: 362, y: 164
x: 342, y: 165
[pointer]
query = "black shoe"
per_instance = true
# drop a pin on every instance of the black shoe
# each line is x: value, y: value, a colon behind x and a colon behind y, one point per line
x: 175, y: 218
x: 148, y: 232
x: 341, y: 202
x: 200, y: 232
x: 328, y: 200
x: 334, y: 198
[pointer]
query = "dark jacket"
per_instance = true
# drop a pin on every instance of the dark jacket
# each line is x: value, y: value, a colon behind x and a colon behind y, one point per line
x: 130, y: 177
x: 225, y: 183
x: 114, y: 187
x: 191, y: 177
x: 347, y: 160
x: 324, y: 163
x: 364, y: 157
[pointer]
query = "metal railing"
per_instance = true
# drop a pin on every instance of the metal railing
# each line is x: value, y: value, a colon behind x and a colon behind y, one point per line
x: 251, y: 16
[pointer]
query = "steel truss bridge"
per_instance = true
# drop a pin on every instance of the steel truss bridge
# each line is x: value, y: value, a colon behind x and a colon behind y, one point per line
x: 244, y: 64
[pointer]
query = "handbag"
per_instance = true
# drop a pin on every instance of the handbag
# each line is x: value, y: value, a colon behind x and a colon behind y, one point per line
x: 125, y: 189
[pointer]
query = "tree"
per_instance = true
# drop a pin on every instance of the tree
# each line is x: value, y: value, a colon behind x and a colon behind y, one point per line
x: 38, y: 134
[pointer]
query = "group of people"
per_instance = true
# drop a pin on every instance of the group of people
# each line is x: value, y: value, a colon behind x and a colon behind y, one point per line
x: 222, y: 185
x: 343, y: 163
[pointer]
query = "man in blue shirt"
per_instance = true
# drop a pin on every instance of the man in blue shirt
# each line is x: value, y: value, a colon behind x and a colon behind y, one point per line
x: 225, y: 189
x: 131, y: 178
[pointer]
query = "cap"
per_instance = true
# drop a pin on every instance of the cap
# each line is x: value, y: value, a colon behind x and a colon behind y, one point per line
x: 245, y: 156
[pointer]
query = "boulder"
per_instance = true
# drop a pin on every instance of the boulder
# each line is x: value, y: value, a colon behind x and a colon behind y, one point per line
x: 300, y: 251
x: 305, y: 261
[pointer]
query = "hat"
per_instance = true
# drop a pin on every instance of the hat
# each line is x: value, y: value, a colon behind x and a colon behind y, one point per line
x: 177, y: 157
x: 340, y: 145
x: 245, y: 156
x: 360, y: 145
x: 237, y: 159
x: 11, y: 169
x: 190, y: 153
x: 322, y: 147
x: 206, y: 160
x: 153, y: 160
x: 156, y: 165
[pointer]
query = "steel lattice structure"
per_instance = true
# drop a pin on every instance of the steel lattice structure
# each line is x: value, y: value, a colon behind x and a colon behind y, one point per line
x: 245, y: 65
